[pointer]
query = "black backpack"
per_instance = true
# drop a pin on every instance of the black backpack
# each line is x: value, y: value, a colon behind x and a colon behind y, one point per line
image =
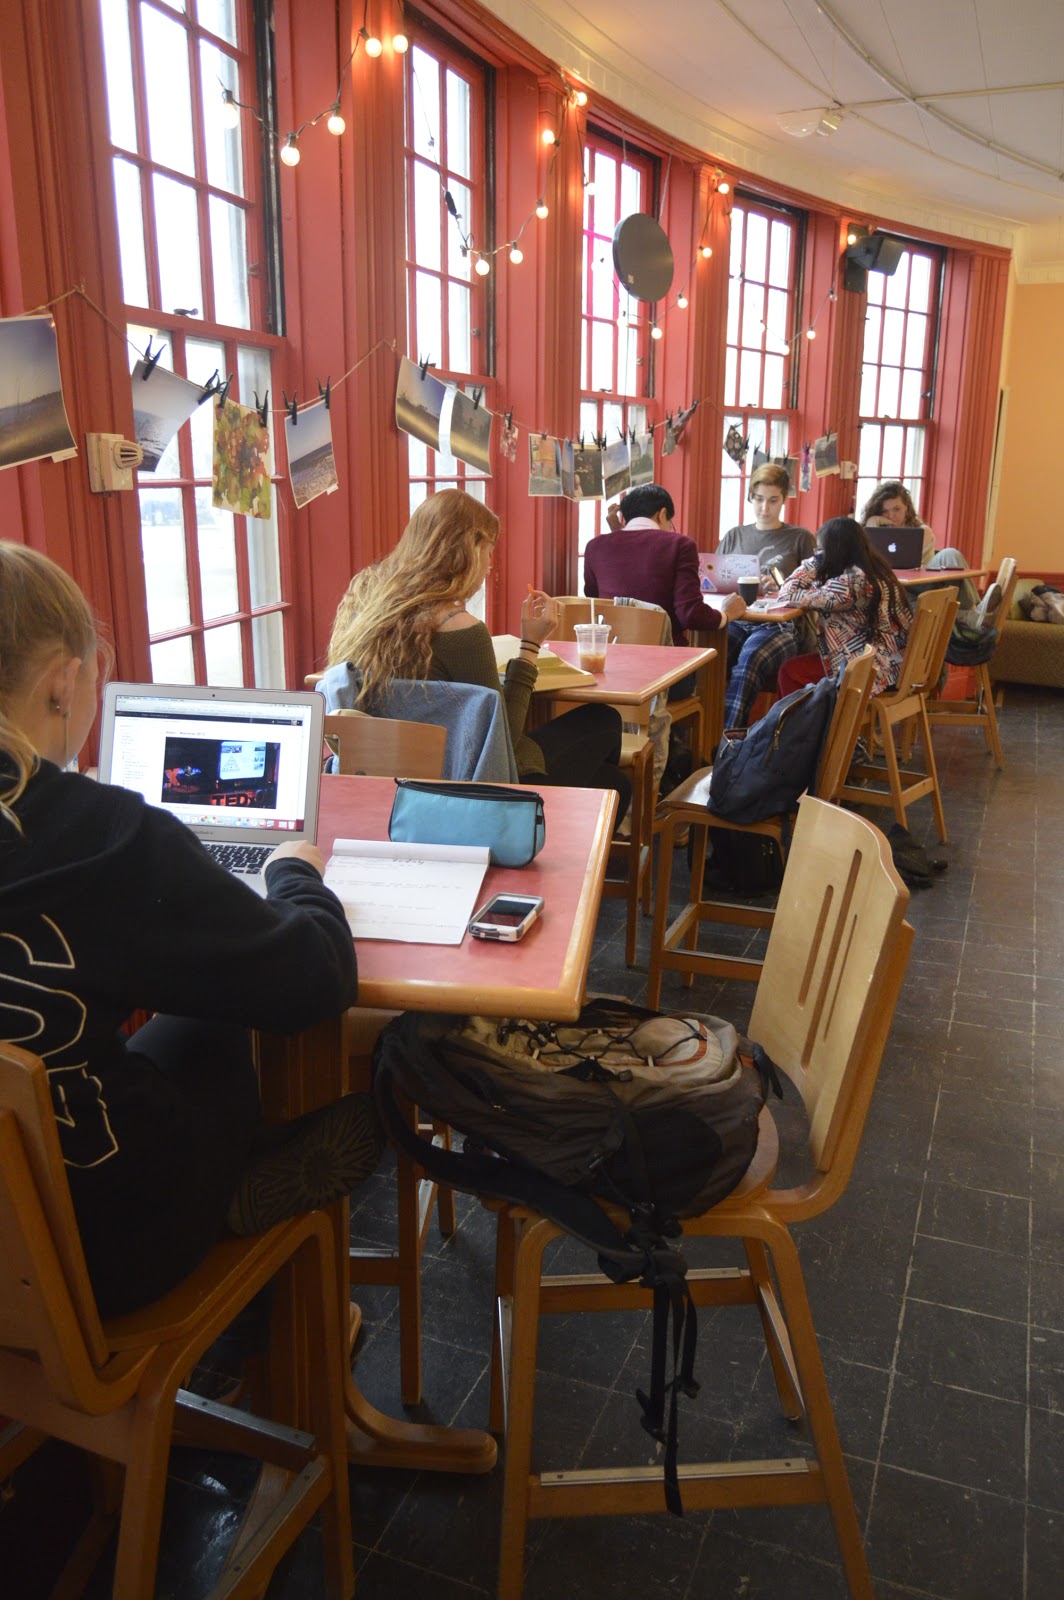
x: 657, y: 1113
x: 764, y: 774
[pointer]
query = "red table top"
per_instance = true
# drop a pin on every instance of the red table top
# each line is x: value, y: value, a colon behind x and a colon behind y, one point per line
x: 634, y: 673
x: 542, y: 976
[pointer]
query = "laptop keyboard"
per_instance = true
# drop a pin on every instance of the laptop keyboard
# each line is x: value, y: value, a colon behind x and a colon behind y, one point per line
x: 243, y: 858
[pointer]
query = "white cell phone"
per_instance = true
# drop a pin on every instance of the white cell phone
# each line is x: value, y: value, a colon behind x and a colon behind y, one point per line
x: 506, y: 916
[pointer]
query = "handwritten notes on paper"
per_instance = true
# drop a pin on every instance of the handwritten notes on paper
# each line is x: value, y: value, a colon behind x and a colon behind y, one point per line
x: 415, y: 893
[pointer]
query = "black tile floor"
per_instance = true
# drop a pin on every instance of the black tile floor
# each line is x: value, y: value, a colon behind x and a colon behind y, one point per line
x: 937, y: 1285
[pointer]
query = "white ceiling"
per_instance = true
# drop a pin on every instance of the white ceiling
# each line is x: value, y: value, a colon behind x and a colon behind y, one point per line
x: 953, y: 109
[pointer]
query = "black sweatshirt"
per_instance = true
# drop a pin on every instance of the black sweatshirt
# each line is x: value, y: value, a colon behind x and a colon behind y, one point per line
x: 107, y: 906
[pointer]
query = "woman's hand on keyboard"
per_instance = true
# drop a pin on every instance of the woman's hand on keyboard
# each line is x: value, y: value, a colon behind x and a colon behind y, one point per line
x: 302, y: 850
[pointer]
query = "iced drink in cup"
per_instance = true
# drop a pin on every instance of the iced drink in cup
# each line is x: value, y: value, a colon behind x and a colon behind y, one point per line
x: 591, y: 641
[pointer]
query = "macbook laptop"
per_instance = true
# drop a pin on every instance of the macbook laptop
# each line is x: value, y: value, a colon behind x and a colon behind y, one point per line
x: 240, y: 767
x: 900, y: 547
x: 719, y: 574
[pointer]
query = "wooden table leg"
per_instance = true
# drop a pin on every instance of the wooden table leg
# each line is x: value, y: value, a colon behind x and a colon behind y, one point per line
x: 296, y: 1074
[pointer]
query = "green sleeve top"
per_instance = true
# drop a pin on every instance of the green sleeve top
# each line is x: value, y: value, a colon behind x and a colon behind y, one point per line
x: 466, y: 655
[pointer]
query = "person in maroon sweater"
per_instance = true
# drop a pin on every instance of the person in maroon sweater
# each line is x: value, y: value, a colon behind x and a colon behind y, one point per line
x: 646, y: 559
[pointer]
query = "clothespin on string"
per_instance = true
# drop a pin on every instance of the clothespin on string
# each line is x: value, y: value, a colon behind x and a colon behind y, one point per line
x: 222, y: 390
x: 151, y: 359
x: 210, y: 388
x: 478, y: 395
x: 424, y: 364
x: 290, y: 406
x: 263, y: 409
x: 324, y: 393
x: 510, y: 422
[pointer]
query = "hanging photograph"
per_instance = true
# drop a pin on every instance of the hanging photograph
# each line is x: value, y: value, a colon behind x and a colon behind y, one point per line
x: 508, y: 439
x: 544, y: 464
x: 641, y: 460
x: 805, y: 480
x: 311, y: 463
x: 587, y: 474
x: 826, y: 455
x: 616, y: 468
x: 568, y: 455
x: 470, y: 433
x: 735, y: 446
x: 162, y: 401
x: 419, y: 402
x: 241, y: 476
x: 791, y: 465
x: 33, y: 419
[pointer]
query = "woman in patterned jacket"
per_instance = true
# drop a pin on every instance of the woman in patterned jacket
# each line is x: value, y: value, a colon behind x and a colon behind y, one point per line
x: 855, y: 599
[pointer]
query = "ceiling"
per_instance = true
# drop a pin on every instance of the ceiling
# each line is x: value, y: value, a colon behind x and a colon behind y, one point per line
x: 952, y: 110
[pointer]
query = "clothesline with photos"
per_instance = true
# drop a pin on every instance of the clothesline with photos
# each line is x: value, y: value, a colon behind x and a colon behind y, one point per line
x: 440, y: 415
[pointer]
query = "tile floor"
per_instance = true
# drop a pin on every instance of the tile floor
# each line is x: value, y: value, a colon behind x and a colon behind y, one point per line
x: 937, y: 1285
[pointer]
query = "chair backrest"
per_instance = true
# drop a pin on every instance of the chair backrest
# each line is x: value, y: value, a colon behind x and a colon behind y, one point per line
x: 46, y: 1301
x: 851, y: 703
x: 1006, y: 582
x: 833, y: 969
x: 383, y: 747
x: 627, y: 624
x: 928, y: 640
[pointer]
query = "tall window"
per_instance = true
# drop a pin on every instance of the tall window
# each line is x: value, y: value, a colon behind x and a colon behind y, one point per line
x: 194, y: 278
x: 897, y: 376
x: 615, y: 377
x: 760, y: 359
x: 448, y: 303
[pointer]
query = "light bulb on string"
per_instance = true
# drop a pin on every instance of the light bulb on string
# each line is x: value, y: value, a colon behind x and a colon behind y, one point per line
x: 681, y: 301
x: 400, y: 44
x: 336, y: 123
x: 373, y: 45
x: 706, y: 251
x: 656, y: 332
x: 482, y: 266
x: 724, y: 187
x: 580, y: 97
x: 589, y: 186
x: 810, y: 333
x: 229, y: 116
x: 851, y: 237
x: 548, y: 136
x: 517, y: 255
x: 542, y: 211
x: 290, y: 152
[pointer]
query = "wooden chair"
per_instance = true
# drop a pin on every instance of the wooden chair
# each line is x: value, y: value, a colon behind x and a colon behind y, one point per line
x: 891, y: 711
x: 834, y: 966
x: 673, y: 949
x: 980, y: 712
x: 113, y: 1387
x: 383, y: 747
x: 629, y: 625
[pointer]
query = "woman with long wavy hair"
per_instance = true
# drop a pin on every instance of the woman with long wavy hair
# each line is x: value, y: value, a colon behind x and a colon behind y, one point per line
x: 853, y: 595
x: 407, y: 617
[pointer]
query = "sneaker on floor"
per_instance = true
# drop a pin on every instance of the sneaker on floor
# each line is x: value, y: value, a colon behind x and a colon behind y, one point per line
x: 318, y: 1158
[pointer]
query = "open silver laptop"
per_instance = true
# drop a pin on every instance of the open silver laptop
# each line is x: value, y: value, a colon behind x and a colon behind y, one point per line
x: 240, y: 767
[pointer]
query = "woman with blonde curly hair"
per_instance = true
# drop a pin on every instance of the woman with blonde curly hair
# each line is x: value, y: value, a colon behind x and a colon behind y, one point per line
x: 407, y: 617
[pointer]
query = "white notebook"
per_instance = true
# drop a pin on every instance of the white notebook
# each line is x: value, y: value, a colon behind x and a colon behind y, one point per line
x: 413, y: 893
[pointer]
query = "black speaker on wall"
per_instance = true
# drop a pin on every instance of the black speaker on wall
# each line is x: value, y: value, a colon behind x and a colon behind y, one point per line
x: 876, y: 252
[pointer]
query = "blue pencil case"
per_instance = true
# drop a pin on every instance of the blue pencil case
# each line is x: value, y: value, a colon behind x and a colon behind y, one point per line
x: 509, y: 821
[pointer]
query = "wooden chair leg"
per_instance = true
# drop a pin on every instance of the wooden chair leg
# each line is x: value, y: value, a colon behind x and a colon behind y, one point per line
x: 408, y: 1217
x: 985, y: 697
x: 316, y: 1265
x: 821, y: 1416
x: 932, y: 773
x: 777, y: 1339
x: 142, y: 1501
x: 533, y: 1239
x: 500, y: 1329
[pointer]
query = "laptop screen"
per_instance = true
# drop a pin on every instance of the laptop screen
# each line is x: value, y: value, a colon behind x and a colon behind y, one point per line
x: 227, y: 763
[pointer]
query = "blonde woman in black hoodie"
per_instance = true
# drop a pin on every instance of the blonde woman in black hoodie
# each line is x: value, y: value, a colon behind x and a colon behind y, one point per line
x: 109, y: 906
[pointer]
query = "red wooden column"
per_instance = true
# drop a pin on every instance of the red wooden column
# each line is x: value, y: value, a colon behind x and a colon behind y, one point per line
x: 57, y: 231
x: 830, y: 390
x: 973, y: 314
x: 709, y: 313
x: 559, y: 299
